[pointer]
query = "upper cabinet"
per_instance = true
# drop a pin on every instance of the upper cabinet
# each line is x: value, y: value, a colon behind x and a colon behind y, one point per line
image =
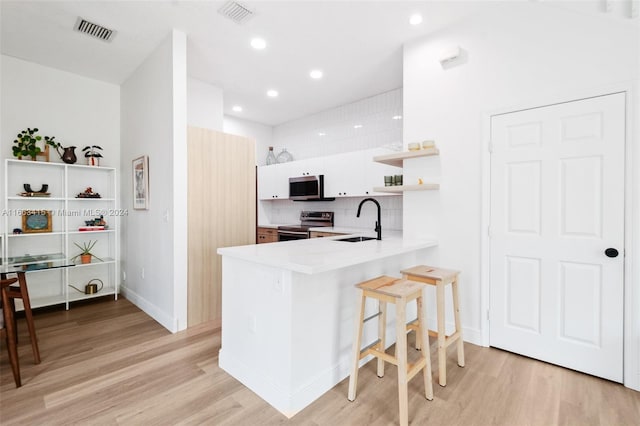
x: 350, y: 174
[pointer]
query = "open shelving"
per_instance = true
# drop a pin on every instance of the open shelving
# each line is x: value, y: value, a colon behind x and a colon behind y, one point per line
x: 51, y: 286
x: 397, y: 159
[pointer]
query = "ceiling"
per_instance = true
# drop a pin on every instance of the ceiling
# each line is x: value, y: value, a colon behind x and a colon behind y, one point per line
x: 357, y: 44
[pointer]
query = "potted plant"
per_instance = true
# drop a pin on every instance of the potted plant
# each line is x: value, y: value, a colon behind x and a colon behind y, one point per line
x: 93, y: 157
x: 26, y: 144
x: 85, y: 252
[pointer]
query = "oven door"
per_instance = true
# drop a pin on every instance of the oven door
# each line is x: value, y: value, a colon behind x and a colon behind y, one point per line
x: 292, y: 235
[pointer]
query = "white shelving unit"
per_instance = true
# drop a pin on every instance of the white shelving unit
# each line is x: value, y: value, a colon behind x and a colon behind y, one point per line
x: 397, y: 160
x: 68, y: 213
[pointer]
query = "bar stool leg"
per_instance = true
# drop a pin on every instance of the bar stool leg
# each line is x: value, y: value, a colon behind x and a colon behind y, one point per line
x: 456, y: 313
x: 442, y: 348
x: 29, y: 316
x: 382, y: 333
x: 401, y: 353
x: 423, y: 333
x: 353, y: 378
x: 419, y: 336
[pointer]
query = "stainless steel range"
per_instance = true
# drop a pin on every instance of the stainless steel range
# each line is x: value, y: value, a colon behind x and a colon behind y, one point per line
x: 308, y: 219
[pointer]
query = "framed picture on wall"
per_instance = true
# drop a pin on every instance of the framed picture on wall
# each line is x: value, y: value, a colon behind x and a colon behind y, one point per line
x: 140, y: 170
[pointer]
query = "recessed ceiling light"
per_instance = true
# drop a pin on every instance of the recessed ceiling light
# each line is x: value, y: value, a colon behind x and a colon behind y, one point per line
x: 258, y: 43
x: 357, y: 126
x: 272, y: 93
x: 397, y: 117
x: 322, y: 134
x: 415, y: 19
x: 237, y: 108
x: 316, y: 74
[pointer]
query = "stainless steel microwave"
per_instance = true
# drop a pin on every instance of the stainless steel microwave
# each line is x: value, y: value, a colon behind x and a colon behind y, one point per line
x: 306, y: 188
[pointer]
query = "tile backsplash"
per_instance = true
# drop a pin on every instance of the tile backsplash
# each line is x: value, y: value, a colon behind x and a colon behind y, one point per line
x: 288, y: 212
x: 364, y: 124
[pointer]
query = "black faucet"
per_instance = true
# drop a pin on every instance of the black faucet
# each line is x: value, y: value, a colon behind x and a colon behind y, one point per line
x: 378, y: 224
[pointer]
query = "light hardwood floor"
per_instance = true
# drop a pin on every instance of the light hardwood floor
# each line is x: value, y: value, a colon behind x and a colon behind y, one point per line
x: 109, y: 363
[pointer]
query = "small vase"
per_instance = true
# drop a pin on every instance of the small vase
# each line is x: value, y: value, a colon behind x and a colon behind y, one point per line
x: 271, y: 158
x: 85, y: 258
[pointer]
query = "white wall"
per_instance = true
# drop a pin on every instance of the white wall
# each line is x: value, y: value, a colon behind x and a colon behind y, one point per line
x: 204, y: 105
x: 77, y: 110
x: 153, y: 110
x: 516, y: 55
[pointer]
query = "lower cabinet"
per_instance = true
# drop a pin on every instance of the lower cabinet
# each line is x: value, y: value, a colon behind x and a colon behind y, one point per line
x: 267, y: 235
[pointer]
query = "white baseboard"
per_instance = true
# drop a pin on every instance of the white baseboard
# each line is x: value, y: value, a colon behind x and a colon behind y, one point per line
x: 167, y: 321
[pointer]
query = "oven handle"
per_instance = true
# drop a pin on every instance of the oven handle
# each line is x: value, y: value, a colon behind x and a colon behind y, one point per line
x: 292, y: 233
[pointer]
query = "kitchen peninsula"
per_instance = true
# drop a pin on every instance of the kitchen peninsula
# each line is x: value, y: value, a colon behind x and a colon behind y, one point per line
x: 288, y: 311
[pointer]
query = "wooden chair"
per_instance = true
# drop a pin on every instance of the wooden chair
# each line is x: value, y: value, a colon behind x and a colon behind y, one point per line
x: 21, y: 292
x: 399, y: 292
x: 8, y: 330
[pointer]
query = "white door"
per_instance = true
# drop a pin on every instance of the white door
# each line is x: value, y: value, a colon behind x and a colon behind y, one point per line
x: 557, y: 205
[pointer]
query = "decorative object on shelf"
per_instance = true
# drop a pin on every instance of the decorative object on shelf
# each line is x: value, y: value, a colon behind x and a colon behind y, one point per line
x: 420, y: 181
x: 140, y: 169
x: 271, y: 157
x: 91, y: 287
x: 68, y: 154
x: 88, y: 193
x: 428, y: 144
x: 92, y: 155
x: 284, y: 156
x: 413, y: 146
x: 97, y: 224
x: 43, y: 188
x: 26, y: 144
x: 17, y: 231
x: 34, y: 221
x: 397, y: 180
x: 388, y: 180
x: 42, y: 192
x: 85, y: 254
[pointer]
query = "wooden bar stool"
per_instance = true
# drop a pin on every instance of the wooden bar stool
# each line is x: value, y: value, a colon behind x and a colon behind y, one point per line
x: 400, y: 292
x: 21, y: 292
x: 8, y: 329
x: 440, y: 278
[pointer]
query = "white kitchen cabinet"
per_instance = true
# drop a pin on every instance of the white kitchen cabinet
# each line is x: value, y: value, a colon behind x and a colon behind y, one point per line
x: 344, y: 175
x: 273, y: 182
x: 350, y: 174
x: 67, y: 214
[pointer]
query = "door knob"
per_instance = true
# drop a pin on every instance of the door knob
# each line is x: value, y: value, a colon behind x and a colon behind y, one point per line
x: 611, y: 252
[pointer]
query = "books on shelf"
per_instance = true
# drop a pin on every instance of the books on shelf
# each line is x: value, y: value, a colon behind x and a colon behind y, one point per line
x: 92, y: 228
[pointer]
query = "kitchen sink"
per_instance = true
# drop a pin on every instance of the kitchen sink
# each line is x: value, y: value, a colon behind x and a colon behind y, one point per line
x: 356, y: 239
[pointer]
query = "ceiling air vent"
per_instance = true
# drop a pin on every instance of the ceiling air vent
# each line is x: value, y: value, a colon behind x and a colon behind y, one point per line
x: 237, y: 12
x: 94, y: 30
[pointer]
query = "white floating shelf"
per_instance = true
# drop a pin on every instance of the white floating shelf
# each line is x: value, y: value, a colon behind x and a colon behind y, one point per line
x: 402, y: 188
x: 398, y: 158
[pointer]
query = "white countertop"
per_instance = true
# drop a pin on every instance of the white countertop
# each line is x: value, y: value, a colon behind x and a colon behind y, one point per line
x: 315, y: 255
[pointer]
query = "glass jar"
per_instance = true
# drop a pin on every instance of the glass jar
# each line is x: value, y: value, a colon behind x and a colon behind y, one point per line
x: 284, y: 156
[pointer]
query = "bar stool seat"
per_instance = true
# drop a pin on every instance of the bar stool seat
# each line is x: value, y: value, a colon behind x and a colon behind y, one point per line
x: 399, y: 292
x: 439, y: 278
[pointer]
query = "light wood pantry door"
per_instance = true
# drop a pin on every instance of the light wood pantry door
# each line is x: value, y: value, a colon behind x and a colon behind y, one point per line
x: 557, y: 220
x: 221, y: 213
